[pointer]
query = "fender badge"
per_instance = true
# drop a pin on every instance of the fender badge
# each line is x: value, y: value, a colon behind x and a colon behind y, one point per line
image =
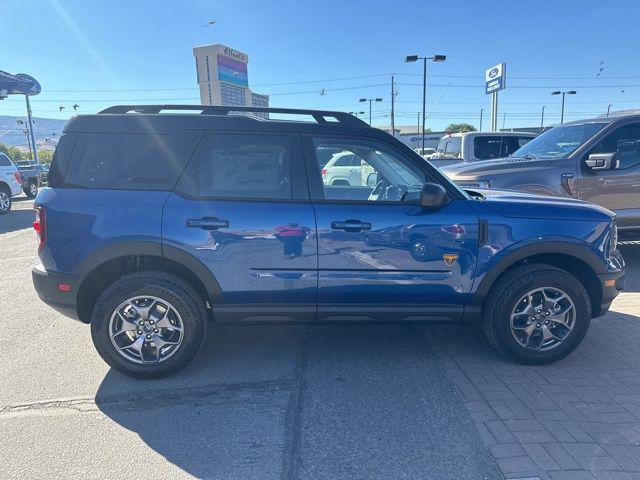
x: 450, y: 258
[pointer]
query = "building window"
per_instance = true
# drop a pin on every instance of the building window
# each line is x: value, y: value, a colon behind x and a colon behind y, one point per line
x: 231, y: 95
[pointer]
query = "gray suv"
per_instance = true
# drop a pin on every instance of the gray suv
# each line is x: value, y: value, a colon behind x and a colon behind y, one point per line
x: 595, y: 160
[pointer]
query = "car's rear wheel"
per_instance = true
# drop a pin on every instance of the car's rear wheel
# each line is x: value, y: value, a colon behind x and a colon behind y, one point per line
x: 536, y: 314
x: 149, y: 324
x: 5, y: 201
x: 31, y: 191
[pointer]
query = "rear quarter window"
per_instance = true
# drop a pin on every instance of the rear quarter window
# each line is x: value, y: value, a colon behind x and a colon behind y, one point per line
x: 130, y: 161
x: 4, y: 160
x: 60, y: 160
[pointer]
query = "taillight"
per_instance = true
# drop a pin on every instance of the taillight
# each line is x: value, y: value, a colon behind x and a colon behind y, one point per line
x: 40, y: 226
x: 324, y: 171
x: 18, y: 176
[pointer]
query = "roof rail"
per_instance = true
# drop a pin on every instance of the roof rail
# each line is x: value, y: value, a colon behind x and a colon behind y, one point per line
x: 319, y: 116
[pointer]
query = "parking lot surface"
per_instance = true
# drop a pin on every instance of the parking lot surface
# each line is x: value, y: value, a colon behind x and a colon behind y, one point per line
x: 307, y: 402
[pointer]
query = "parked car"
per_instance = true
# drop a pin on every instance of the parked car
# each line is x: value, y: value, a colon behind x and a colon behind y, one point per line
x: 596, y: 160
x: 154, y: 225
x: 426, y: 152
x: 33, y: 176
x: 10, y: 183
x: 475, y: 146
x: 346, y: 168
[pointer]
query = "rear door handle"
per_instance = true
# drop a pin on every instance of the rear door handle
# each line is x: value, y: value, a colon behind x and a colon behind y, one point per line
x: 207, y: 223
x: 351, y: 226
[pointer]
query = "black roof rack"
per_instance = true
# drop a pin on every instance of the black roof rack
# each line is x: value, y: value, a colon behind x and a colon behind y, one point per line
x: 319, y: 116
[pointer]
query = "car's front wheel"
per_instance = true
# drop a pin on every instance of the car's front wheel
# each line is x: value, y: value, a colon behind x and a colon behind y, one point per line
x: 536, y: 314
x: 149, y: 324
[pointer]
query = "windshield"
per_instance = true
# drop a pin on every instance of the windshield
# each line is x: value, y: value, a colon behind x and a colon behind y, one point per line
x: 559, y: 141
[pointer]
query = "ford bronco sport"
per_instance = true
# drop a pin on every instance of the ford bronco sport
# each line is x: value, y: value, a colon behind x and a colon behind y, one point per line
x: 156, y: 224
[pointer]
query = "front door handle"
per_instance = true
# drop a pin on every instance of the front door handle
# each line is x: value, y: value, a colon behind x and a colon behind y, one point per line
x: 352, y: 226
x: 207, y: 223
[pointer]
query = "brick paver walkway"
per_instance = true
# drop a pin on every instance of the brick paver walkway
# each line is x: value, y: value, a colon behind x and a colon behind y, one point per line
x: 577, y: 419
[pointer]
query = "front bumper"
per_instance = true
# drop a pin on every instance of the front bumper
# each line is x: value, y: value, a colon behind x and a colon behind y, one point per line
x: 47, y: 285
x: 612, y: 284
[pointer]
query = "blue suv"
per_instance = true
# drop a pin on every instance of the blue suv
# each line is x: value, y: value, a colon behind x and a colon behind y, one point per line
x: 162, y: 220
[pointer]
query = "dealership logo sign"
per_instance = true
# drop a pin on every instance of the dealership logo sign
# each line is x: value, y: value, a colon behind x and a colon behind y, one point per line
x: 495, y: 78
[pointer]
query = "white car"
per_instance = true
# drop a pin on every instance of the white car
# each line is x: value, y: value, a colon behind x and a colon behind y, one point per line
x: 10, y: 183
x: 347, y: 169
x: 475, y: 146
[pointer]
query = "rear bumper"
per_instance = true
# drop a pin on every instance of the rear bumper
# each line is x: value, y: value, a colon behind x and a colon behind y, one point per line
x: 612, y: 284
x: 47, y: 285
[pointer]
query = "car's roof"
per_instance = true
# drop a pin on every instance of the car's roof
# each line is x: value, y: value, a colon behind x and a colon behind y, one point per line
x: 148, y: 119
x: 491, y: 134
x: 604, y: 119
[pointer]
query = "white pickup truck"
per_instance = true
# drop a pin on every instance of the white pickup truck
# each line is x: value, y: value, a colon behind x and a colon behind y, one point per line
x: 474, y: 146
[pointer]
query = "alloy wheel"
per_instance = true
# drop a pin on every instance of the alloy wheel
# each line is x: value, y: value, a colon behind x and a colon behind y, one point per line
x: 543, y: 318
x: 146, y: 329
x: 5, y: 201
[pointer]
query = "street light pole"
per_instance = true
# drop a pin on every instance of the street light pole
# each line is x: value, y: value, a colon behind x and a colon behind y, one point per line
x: 558, y: 92
x: 370, y: 100
x: 609, y: 109
x: 542, y: 119
x: 33, y: 138
x: 481, y: 112
x: 415, y: 58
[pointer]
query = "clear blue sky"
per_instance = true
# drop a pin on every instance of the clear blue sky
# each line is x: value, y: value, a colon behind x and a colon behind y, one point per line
x: 73, y: 46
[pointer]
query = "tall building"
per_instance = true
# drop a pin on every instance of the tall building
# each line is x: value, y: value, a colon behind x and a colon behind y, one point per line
x: 223, y: 78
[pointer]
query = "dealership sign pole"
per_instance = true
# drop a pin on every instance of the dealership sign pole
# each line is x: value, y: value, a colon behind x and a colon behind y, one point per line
x: 495, y: 80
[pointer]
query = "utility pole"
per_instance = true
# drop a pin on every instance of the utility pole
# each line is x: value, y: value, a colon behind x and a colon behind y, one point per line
x: 481, y: 112
x: 609, y: 109
x: 504, y: 119
x: 542, y: 120
x: 33, y: 138
x: 393, y: 101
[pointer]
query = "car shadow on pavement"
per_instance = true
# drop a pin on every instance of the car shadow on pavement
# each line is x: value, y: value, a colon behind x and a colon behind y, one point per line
x: 340, y: 401
x: 16, y: 220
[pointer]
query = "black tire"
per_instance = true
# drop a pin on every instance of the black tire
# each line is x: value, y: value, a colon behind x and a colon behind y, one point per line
x: 5, y: 196
x: 509, y: 288
x: 31, y: 191
x: 184, y: 298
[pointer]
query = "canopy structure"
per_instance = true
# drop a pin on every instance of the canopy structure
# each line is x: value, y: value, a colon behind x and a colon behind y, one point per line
x: 18, y: 84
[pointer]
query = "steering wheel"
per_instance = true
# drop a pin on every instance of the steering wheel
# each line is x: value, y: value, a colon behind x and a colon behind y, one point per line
x: 378, y: 191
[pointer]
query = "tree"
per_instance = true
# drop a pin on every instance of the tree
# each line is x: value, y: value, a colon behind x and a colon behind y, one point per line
x: 460, y: 128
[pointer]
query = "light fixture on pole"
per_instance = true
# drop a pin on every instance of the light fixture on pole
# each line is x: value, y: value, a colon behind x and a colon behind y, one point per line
x: 415, y: 58
x: 563, y: 93
x: 370, y: 100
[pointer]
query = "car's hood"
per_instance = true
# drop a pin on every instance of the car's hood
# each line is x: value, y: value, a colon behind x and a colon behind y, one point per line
x: 509, y: 203
x: 497, y: 165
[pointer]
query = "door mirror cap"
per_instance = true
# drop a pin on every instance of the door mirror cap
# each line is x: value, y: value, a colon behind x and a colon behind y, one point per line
x: 433, y: 196
x: 600, y: 161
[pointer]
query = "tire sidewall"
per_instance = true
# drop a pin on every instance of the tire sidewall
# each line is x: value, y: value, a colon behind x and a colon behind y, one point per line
x: 192, y: 315
x: 32, y: 190
x: 560, y: 280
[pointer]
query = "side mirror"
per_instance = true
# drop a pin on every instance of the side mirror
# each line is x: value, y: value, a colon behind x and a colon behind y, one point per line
x: 600, y: 161
x: 372, y: 179
x: 433, y: 196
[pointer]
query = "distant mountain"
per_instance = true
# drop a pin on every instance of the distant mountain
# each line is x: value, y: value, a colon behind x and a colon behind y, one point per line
x: 12, y: 133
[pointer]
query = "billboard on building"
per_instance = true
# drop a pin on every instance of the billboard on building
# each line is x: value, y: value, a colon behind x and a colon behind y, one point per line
x: 232, y: 71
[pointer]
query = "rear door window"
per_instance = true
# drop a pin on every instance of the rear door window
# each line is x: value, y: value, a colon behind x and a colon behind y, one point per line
x: 240, y: 166
x: 4, y: 160
x: 130, y: 161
